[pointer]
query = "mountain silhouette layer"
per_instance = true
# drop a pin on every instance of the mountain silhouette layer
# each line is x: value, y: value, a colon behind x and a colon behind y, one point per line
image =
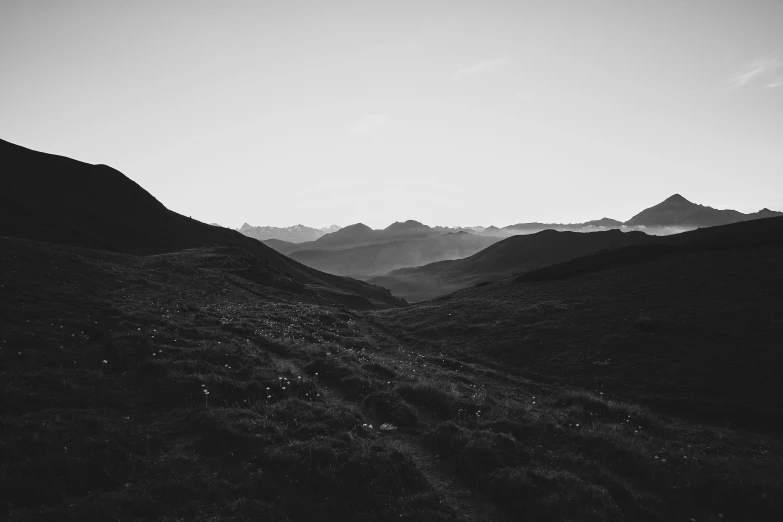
x: 515, y: 254
x: 360, y: 234
x: 380, y: 258
x: 57, y: 199
x: 587, y: 226
x: 293, y: 234
x: 360, y: 251
x: 676, y: 211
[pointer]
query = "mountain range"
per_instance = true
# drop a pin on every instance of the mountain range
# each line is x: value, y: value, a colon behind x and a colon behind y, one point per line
x: 379, y: 258
x: 674, y: 214
x: 676, y: 211
x: 360, y: 234
x: 293, y: 234
x: 419, y: 262
x: 360, y: 251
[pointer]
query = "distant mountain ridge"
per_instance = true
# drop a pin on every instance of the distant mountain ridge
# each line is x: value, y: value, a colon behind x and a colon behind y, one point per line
x: 379, y: 258
x: 359, y: 234
x: 674, y: 214
x: 293, y: 234
x: 411, y: 258
x: 595, y: 225
x: 676, y: 211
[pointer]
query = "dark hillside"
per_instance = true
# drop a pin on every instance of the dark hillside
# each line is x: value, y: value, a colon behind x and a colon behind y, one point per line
x: 523, y: 253
x: 741, y: 235
x: 61, y: 200
x: 688, y: 324
x: 511, y: 255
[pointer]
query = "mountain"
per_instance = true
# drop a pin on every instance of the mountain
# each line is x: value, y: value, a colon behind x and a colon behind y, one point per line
x: 492, y: 230
x: 588, y: 226
x: 379, y: 258
x: 512, y: 255
x: 688, y: 323
x: 674, y: 214
x: 350, y: 236
x: 360, y: 234
x: 294, y: 234
x: 676, y: 211
x: 406, y: 230
x: 60, y: 200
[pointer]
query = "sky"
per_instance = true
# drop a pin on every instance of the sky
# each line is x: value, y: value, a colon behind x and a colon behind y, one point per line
x: 450, y: 113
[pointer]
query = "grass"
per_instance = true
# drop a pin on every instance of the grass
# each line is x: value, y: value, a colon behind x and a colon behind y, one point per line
x: 298, y: 392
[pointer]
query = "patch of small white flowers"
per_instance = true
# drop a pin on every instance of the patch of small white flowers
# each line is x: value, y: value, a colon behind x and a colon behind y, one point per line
x: 205, y: 391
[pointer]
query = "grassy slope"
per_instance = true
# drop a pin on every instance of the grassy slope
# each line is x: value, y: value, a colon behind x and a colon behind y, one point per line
x: 105, y: 358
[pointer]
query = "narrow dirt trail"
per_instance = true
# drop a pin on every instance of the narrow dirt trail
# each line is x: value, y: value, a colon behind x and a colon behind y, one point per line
x: 465, y: 504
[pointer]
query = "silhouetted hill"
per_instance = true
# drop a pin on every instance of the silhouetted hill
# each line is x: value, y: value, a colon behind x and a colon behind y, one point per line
x: 61, y: 200
x: 587, y: 226
x: 293, y: 234
x: 746, y: 234
x: 511, y: 255
x: 604, y: 222
x: 284, y: 247
x: 676, y: 211
x: 687, y: 323
x: 379, y: 258
x: 409, y: 229
x: 350, y: 236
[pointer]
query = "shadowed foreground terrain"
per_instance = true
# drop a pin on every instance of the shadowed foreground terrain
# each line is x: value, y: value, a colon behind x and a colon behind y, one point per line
x: 107, y: 360
x: 155, y: 368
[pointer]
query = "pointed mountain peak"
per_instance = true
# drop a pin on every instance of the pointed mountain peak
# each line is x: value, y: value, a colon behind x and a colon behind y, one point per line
x: 676, y: 198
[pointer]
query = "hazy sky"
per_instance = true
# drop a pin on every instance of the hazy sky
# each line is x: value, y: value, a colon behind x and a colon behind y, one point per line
x: 450, y: 113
